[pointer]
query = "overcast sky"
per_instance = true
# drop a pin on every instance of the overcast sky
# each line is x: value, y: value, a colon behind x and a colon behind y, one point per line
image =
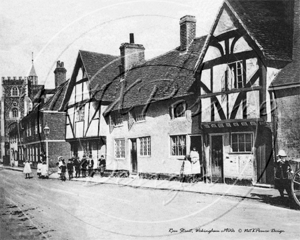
x: 57, y: 29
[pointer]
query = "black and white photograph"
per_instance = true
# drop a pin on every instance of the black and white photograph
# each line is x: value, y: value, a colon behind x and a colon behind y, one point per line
x: 149, y: 119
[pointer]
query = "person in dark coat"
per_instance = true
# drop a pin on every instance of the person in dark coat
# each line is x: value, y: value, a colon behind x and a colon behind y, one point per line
x: 76, y: 164
x: 90, y: 165
x: 70, y: 167
x: 63, y: 170
x: 102, y: 165
x: 282, y: 171
x: 83, y: 165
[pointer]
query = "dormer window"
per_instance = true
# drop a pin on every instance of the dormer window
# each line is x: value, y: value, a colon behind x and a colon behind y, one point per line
x: 14, y: 92
x: 178, y: 109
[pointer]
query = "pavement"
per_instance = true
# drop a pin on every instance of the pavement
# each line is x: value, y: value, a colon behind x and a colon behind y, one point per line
x: 222, y: 189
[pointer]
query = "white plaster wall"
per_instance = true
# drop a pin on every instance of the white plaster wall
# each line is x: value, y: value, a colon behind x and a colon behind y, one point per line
x: 159, y: 128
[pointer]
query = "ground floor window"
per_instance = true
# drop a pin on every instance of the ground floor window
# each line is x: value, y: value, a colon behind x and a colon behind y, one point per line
x: 241, y: 142
x: 178, y: 145
x: 145, y: 146
x: 120, y: 148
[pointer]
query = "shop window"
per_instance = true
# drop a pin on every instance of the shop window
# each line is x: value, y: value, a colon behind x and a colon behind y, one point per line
x: 178, y: 109
x: 120, y: 148
x: 241, y: 142
x: 145, y: 146
x: 178, y: 145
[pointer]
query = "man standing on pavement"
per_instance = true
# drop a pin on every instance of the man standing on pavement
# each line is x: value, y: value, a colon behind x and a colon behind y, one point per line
x: 76, y: 164
x: 90, y: 165
x: 70, y: 168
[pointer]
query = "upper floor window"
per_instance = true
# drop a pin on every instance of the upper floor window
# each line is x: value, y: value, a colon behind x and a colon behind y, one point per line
x: 14, y: 92
x: 79, y: 115
x: 236, y: 75
x: 241, y: 142
x: 178, y: 109
x: 117, y: 120
x: 15, y: 113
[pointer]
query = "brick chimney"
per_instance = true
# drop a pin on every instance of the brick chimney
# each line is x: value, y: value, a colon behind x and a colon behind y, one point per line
x: 187, y: 31
x: 59, y: 73
x: 131, y: 54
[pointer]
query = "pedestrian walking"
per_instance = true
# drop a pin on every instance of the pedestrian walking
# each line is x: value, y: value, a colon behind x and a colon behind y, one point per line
x: 27, y: 169
x: 102, y: 165
x: 44, y: 172
x: 70, y: 167
x: 90, y: 163
x: 83, y: 166
x: 63, y: 170
x: 77, y: 167
x: 39, y: 168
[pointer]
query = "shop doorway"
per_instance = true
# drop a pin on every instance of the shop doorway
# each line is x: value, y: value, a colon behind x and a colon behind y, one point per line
x: 217, y: 158
x: 133, y: 155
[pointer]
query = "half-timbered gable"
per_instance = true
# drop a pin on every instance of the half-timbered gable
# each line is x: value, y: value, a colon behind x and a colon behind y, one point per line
x: 85, y: 102
x: 243, y: 55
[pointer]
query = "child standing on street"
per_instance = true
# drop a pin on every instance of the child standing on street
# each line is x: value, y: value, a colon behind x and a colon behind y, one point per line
x: 63, y: 169
x: 70, y: 167
x: 27, y: 169
x: 39, y: 168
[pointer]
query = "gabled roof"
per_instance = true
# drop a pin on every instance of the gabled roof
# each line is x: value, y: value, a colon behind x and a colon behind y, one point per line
x: 102, y: 69
x: 289, y: 76
x: 54, y: 103
x: 269, y: 23
x: 167, y: 76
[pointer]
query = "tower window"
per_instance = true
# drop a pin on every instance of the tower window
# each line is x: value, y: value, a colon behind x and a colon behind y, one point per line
x: 15, y: 92
x: 15, y: 113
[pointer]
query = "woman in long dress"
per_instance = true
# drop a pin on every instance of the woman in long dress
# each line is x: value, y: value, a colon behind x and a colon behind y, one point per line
x: 27, y: 169
x: 39, y: 168
x: 44, y: 172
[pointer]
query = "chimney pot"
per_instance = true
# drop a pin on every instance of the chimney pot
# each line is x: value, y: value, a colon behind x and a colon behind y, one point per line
x: 131, y: 38
x: 59, y: 73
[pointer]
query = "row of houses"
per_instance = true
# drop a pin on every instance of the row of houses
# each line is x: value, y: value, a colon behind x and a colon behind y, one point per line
x: 233, y: 95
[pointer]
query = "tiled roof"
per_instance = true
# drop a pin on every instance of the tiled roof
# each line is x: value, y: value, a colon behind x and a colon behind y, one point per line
x: 290, y: 75
x: 102, y: 70
x: 270, y: 23
x: 54, y: 103
x: 167, y: 76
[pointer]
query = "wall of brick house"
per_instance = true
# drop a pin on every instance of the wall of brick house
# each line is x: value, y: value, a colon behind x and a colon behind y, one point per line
x: 56, y: 122
x: 159, y: 126
x: 287, y: 121
x: 57, y: 149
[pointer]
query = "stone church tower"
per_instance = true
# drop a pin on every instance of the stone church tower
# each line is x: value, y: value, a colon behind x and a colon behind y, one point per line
x: 14, y: 104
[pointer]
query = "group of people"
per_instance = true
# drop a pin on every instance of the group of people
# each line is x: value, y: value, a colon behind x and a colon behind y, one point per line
x: 42, y: 169
x: 83, y: 167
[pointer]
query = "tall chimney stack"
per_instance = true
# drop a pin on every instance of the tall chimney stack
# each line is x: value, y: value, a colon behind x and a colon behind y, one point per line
x: 131, y: 54
x: 187, y: 31
x: 59, y: 73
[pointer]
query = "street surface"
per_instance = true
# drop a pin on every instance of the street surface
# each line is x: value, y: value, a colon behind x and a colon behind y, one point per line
x: 51, y: 209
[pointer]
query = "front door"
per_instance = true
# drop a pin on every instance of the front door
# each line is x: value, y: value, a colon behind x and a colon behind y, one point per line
x: 133, y: 153
x: 217, y: 158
